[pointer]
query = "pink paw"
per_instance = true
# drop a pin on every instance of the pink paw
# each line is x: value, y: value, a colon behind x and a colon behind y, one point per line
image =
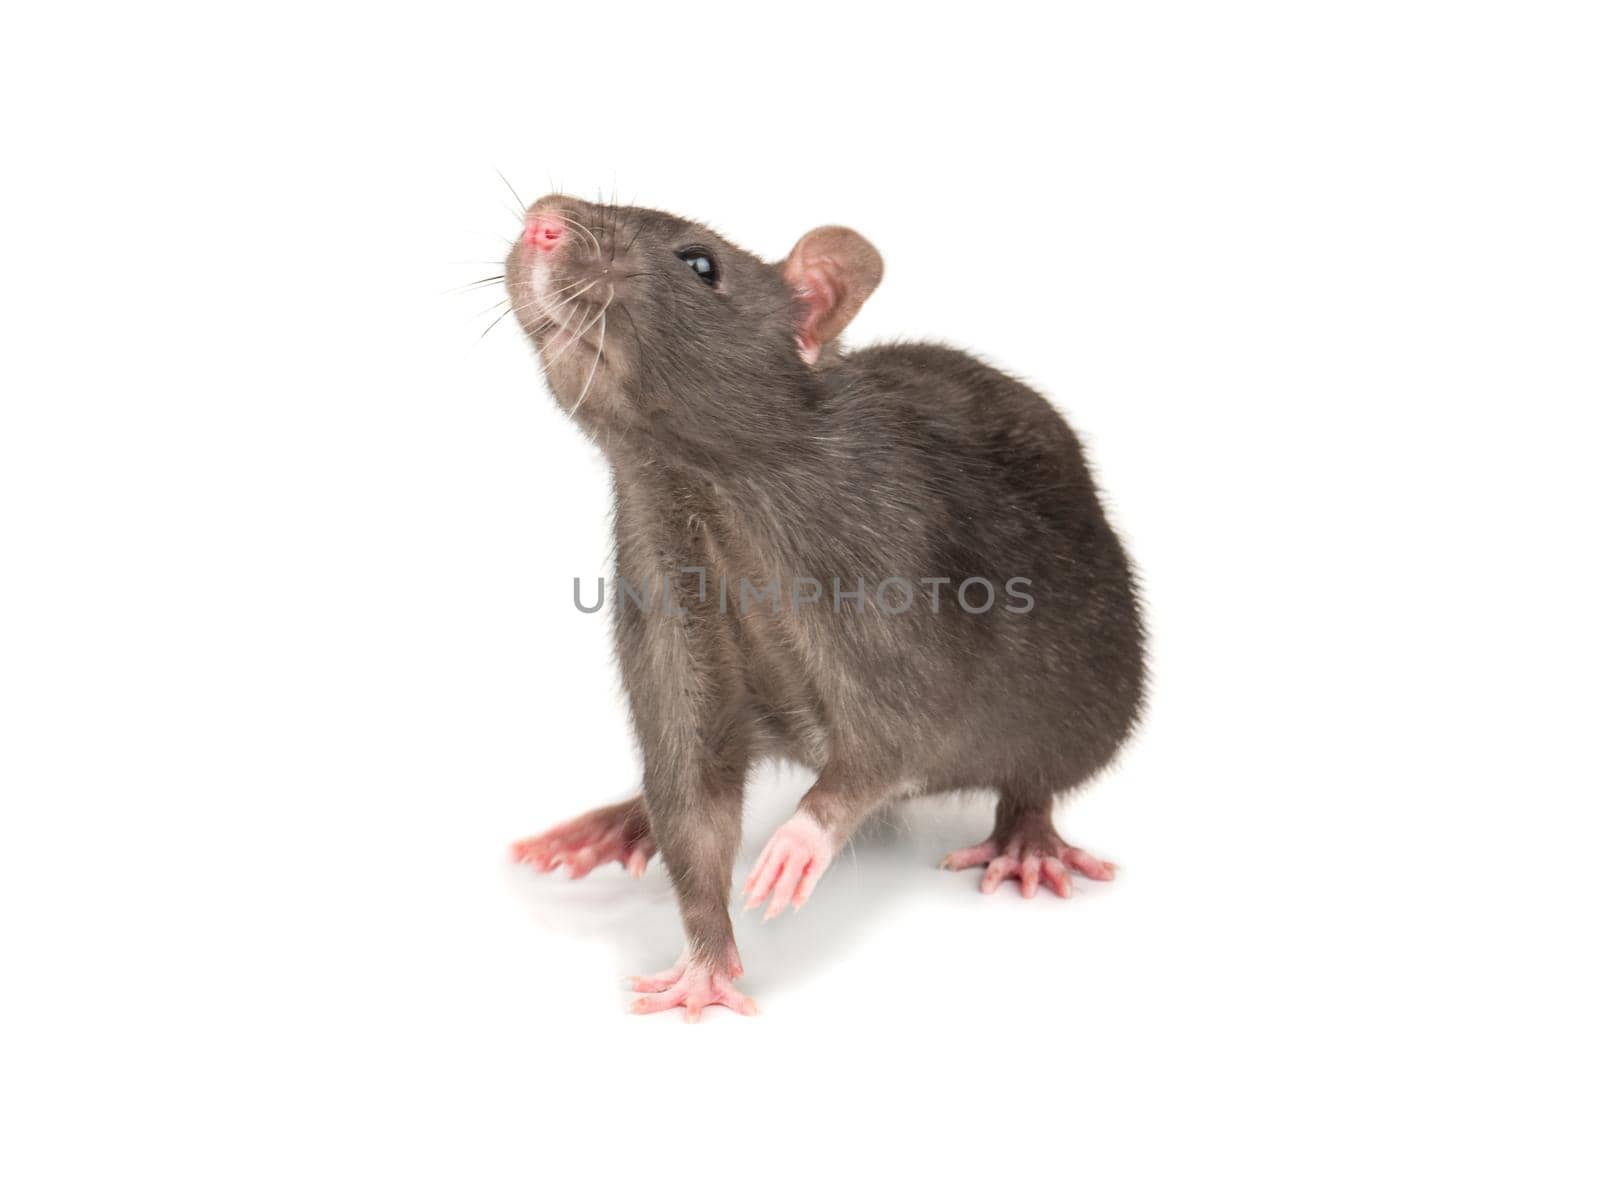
x: 620, y: 832
x: 694, y: 987
x: 1029, y: 861
x: 789, y: 866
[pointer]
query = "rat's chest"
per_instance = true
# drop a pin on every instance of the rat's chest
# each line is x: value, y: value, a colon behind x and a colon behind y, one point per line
x: 731, y: 588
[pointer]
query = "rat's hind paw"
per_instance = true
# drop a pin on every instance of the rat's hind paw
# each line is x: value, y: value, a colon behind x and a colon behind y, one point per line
x: 692, y: 986
x: 1030, y: 858
x: 620, y: 832
x: 789, y: 866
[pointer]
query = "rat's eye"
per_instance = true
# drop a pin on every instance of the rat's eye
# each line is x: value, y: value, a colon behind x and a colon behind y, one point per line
x: 701, y: 262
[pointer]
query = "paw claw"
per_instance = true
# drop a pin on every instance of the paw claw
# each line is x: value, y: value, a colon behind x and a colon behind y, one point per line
x: 965, y: 858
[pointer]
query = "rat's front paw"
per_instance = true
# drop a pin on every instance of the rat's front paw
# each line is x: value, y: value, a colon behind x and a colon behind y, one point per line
x: 691, y: 985
x: 789, y: 866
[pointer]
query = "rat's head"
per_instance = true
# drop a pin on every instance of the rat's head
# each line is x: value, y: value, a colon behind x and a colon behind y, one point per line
x: 647, y: 322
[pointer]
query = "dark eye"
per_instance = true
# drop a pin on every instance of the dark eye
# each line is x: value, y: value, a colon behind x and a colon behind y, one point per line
x: 701, y: 262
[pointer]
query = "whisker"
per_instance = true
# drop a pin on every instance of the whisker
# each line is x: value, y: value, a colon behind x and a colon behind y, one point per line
x: 568, y: 287
x: 577, y: 313
x: 545, y: 317
x: 569, y: 298
x: 577, y: 336
x: 573, y: 338
x: 497, y: 319
x: 566, y: 326
x: 598, y: 352
x: 475, y: 284
x: 524, y: 306
x: 573, y: 221
x: 520, y: 202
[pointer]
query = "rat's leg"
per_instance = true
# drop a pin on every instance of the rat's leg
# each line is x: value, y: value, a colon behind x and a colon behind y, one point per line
x: 620, y: 832
x: 696, y: 820
x: 1026, y: 845
x: 687, y: 696
x: 803, y: 846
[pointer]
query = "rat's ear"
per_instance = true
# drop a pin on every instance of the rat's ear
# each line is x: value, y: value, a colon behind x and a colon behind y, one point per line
x: 832, y: 271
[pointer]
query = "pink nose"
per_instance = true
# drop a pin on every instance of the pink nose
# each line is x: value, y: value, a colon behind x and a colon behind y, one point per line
x: 544, y: 231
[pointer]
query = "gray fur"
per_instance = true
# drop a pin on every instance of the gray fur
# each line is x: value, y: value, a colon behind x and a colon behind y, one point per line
x: 731, y: 453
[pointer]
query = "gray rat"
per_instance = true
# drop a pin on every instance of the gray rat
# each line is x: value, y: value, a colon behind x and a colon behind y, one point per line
x: 890, y: 565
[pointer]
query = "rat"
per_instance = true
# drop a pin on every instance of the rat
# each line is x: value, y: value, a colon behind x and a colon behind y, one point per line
x: 888, y: 564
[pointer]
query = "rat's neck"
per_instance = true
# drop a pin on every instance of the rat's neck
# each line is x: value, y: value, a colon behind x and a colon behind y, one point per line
x: 758, y: 429
x: 782, y: 489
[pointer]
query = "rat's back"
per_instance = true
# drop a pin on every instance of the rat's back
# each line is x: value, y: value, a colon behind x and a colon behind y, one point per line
x: 1001, y: 491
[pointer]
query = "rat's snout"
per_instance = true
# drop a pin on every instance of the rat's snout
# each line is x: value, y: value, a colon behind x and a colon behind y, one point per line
x: 544, y: 229
x: 564, y: 270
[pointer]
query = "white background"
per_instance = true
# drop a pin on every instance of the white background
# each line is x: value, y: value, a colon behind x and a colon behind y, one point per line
x: 288, y: 657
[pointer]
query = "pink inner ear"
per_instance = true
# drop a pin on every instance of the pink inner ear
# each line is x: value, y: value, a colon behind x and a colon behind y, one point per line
x: 816, y: 283
x: 831, y: 270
